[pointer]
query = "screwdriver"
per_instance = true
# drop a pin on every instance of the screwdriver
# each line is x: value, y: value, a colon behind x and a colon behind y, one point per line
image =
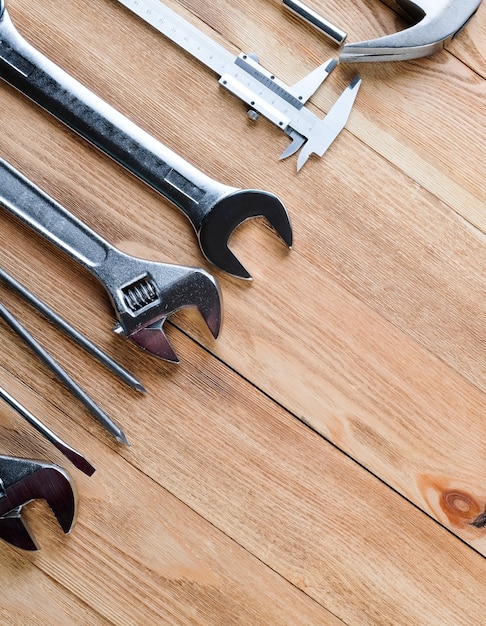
x: 61, y: 323
x: 75, y: 457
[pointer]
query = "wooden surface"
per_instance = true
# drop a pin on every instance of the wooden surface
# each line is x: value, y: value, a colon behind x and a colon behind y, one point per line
x: 323, y: 460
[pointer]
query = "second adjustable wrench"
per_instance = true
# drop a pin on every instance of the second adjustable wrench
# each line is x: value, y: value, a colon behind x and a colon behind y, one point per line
x: 213, y: 209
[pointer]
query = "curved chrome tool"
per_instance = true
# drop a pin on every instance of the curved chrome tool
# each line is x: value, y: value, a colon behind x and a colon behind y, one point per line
x: 197, y: 195
x: 143, y: 293
x: 436, y: 23
x: 21, y: 482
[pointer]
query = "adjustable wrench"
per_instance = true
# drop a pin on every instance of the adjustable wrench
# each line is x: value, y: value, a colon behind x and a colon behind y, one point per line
x: 143, y: 293
x: 213, y: 209
x: 21, y: 482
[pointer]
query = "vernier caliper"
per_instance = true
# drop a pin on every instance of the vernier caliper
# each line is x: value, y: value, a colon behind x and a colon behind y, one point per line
x: 243, y: 76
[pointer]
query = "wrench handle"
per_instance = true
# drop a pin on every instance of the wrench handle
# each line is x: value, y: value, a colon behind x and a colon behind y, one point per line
x: 35, y: 208
x: 29, y: 71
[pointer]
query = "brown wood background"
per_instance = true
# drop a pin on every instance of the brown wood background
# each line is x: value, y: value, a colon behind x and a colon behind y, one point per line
x: 322, y: 462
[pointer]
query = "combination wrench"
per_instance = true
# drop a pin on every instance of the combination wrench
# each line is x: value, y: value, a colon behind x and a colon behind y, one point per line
x: 214, y: 209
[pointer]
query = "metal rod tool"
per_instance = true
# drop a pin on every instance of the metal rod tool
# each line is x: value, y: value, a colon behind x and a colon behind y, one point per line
x: 76, y: 458
x: 313, y: 18
x: 73, y: 387
x: 25, y: 480
x: 65, y: 326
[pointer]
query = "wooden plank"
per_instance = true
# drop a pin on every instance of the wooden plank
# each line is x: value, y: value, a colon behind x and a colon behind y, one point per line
x: 368, y: 260
x: 136, y: 553
x: 344, y: 328
x: 470, y: 45
x: 30, y: 597
x: 301, y: 507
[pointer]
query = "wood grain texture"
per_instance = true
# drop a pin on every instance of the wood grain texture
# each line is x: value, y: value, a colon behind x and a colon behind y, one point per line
x: 323, y: 461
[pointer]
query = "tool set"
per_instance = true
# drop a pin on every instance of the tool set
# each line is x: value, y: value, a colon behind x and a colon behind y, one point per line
x: 213, y: 209
x: 145, y: 293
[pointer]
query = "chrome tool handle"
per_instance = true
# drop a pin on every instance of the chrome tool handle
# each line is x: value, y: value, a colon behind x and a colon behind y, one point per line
x: 28, y: 70
x: 31, y: 205
x: 317, y: 21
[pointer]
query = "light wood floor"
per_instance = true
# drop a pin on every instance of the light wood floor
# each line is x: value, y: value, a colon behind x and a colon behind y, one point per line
x: 322, y: 462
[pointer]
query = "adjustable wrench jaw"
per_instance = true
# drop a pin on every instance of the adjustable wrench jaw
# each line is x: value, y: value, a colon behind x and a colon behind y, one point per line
x: 15, y: 531
x: 145, y: 293
x: 436, y: 22
x: 21, y: 482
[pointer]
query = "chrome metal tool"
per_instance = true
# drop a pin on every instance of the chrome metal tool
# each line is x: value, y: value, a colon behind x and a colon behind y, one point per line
x: 266, y: 95
x: 332, y: 32
x: 143, y: 293
x: 21, y: 482
x: 213, y: 209
x: 436, y: 22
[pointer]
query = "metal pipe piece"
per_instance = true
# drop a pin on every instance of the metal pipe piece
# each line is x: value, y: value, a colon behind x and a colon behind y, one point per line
x: 317, y: 21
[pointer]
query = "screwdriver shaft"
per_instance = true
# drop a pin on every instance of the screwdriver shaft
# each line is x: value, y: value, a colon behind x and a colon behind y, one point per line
x: 75, y: 389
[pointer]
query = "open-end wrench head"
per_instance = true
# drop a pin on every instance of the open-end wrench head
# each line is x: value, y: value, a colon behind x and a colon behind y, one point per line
x: 24, y: 480
x: 231, y: 211
x: 436, y: 23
